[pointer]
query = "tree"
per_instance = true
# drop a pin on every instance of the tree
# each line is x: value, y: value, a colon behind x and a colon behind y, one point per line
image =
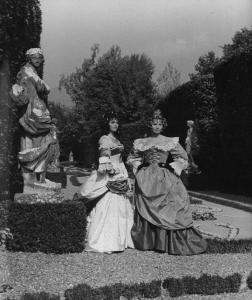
x: 242, y: 43
x: 20, y: 29
x: 168, y: 80
x: 111, y: 82
x: 205, y: 66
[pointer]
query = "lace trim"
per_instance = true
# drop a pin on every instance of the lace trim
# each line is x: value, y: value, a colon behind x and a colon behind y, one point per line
x: 106, y: 142
x: 166, y: 145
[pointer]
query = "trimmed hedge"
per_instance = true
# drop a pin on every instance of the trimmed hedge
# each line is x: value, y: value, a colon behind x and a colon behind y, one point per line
x: 188, y: 285
x: 204, y: 285
x: 234, y: 91
x: 225, y: 246
x: 196, y: 100
x: 47, y: 227
x: 113, y: 292
x: 36, y: 296
x: 40, y: 296
x: 249, y: 281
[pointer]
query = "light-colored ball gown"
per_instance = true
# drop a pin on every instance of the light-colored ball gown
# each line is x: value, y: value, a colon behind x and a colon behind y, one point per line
x: 111, y: 220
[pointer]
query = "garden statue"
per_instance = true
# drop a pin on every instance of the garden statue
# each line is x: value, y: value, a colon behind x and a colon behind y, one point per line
x: 191, y: 146
x: 39, y: 146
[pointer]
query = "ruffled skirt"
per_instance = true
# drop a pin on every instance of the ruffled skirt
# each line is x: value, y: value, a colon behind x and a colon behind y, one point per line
x: 147, y: 236
x: 163, y: 219
x: 110, y: 225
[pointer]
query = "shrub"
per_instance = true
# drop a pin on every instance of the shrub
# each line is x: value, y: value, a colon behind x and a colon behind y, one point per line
x: 204, y: 285
x: 232, y: 246
x: 47, y: 227
x: 113, y: 292
x: 20, y: 29
x: 196, y: 100
x: 39, y: 296
x: 234, y: 91
x: 249, y: 281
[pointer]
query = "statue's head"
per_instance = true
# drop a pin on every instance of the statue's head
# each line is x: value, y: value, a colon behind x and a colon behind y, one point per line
x: 35, y: 57
x: 190, y: 123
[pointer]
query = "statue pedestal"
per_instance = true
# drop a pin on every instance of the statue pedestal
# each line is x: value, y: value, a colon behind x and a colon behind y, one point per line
x: 34, y: 197
x: 41, y: 188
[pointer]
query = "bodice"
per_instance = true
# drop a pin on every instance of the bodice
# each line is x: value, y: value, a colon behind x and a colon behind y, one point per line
x: 154, y: 155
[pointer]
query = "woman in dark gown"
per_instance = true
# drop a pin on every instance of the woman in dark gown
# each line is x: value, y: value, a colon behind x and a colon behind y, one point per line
x: 162, y: 220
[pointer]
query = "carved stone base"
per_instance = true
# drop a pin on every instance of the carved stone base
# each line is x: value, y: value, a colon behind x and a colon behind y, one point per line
x: 45, y: 197
x: 39, y: 187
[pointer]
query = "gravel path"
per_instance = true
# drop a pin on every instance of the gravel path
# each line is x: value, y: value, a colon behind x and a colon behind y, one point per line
x: 34, y: 272
x: 56, y: 273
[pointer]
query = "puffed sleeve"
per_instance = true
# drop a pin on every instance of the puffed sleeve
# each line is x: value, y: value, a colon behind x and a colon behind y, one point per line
x: 180, y: 159
x: 135, y: 158
x: 105, y: 164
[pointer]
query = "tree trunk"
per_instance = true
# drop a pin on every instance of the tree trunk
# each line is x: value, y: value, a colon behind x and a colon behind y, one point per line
x: 5, y: 140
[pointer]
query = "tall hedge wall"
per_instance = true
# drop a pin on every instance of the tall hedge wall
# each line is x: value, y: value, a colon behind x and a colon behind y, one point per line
x: 196, y: 100
x: 20, y: 29
x: 234, y: 91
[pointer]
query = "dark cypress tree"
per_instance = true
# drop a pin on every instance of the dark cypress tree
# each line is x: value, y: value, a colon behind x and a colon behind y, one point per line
x: 20, y: 29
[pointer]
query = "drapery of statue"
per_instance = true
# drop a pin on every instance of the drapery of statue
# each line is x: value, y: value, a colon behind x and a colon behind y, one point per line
x: 191, y: 146
x: 39, y: 147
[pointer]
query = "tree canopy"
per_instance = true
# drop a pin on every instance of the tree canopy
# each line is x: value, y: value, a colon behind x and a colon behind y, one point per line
x: 205, y: 65
x: 111, y: 82
x: 168, y: 80
x: 242, y: 43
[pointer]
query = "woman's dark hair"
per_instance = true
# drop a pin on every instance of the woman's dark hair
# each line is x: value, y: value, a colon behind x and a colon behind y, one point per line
x: 106, y: 119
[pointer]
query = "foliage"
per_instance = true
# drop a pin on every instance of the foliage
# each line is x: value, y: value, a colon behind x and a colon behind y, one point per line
x: 249, y: 281
x: 114, y: 292
x: 86, y: 150
x: 69, y: 127
x: 242, y: 43
x: 205, y: 66
x: 168, y: 80
x: 225, y: 246
x: 204, y: 285
x: 234, y: 91
x: 39, y: 296
x: 20, y: 29
x: 196, y: 100
x: 47, y: 227
x: 111, y: 82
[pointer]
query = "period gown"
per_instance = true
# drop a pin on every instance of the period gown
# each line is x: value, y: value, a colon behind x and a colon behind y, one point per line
x: 111, y: 220
x: 162, y: 220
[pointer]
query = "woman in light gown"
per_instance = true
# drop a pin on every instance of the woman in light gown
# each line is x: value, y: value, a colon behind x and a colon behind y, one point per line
x: 162, y: 220
x: 111, y: 220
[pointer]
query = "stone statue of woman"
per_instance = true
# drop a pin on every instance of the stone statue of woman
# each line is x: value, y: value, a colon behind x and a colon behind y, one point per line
x: 191, y: 144
x: 39, y: 145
